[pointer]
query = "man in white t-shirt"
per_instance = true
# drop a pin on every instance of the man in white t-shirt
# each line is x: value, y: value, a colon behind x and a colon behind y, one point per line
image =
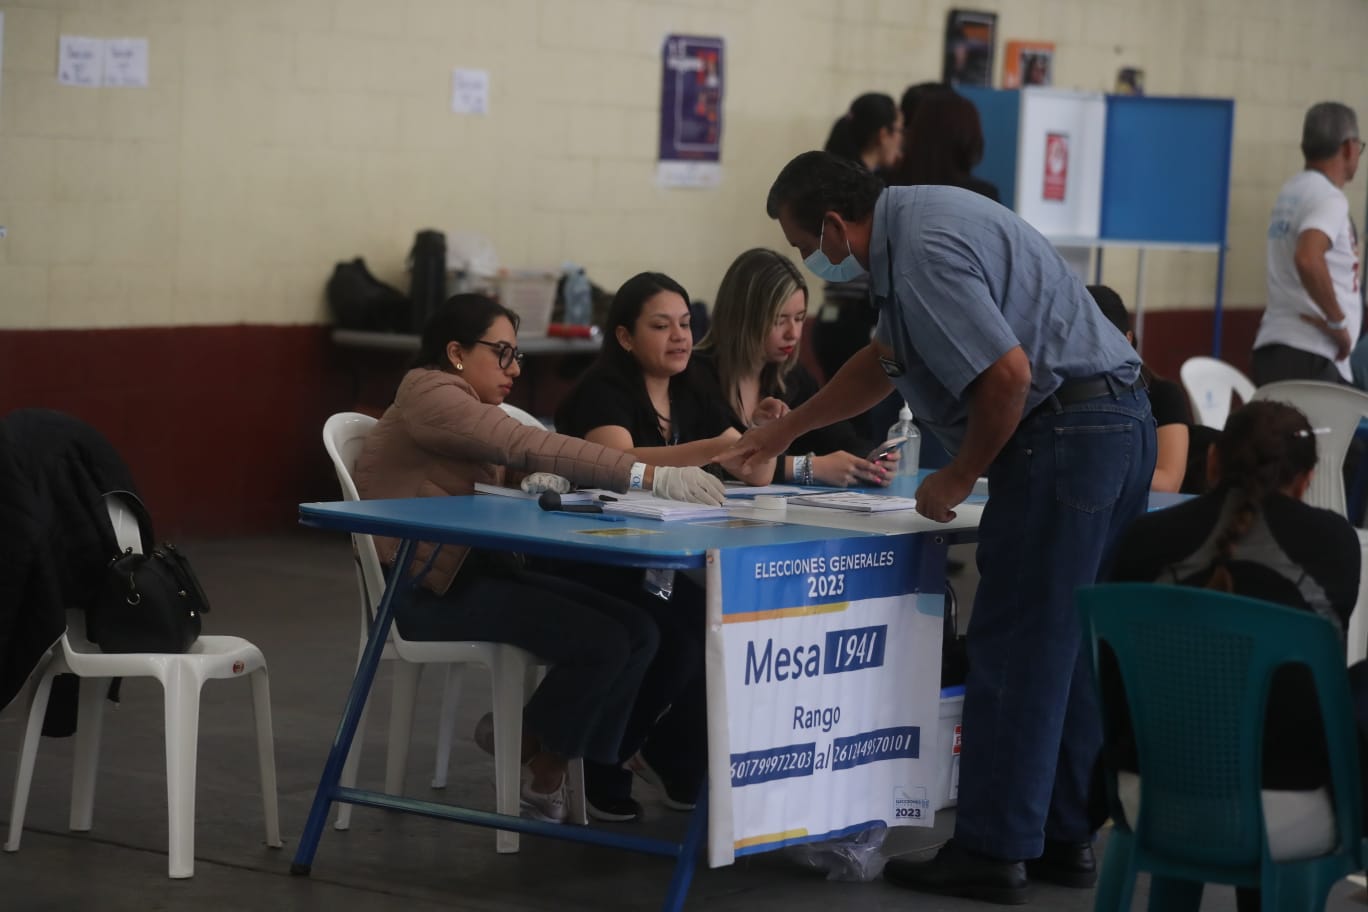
x: 1314, y: 309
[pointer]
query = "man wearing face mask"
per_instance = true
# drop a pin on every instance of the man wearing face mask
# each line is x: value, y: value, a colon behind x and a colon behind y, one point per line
x: 996, y: 344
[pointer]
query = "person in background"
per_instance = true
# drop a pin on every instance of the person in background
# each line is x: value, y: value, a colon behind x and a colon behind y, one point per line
x: 942, y: 143
x: 752, y: 356
x: 640, y: 397
x: 1180, y: 464
x: 1314, y: 310
x: 870, y: 134
x: 1253, y: 536
x: 445, y: 432
x: 911, y: 100
x: 1358, y: 364
x: 945, y: 144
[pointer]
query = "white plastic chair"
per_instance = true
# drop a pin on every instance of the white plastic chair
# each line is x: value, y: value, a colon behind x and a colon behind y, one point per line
x: 509, y: 668
x: 1209, y: 383
x: 1338, y: 409
x: 181, y: 676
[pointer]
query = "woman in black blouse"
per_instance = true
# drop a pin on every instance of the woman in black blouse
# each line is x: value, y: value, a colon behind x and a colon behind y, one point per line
x: 640, y: 395
x: 751, y: 355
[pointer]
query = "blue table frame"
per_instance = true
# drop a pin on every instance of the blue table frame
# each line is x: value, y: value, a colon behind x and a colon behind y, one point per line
x: 497, y: 522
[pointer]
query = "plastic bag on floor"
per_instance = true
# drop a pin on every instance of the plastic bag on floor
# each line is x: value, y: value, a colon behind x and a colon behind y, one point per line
x: 854, y: 859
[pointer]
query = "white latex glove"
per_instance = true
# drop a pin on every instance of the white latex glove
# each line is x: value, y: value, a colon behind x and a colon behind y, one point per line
x: 688, y: 483
x: 541, y: 482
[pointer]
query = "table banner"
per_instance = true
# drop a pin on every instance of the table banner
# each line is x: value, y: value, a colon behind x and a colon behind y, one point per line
x: 823, y: 692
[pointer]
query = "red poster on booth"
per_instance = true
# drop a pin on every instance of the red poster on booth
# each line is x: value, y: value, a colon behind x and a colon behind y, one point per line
x: 1056, y: 165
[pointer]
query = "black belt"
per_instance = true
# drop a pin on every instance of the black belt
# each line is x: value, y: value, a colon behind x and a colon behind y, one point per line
x: 1073, y: 391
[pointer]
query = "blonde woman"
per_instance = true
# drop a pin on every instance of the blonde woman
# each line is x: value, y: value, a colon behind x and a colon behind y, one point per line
x: 751, y: 353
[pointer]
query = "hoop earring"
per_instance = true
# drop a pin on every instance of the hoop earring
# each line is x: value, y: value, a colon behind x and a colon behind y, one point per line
x: 460, y: 366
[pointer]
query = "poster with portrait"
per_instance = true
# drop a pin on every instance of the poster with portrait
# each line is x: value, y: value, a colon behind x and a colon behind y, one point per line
x: 969, y: 47
x: 690, y: 112
x: 1028, y: 63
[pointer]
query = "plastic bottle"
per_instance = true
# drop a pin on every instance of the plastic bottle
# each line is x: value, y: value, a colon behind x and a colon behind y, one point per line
x: 579, y: 304
x: 911, y: 451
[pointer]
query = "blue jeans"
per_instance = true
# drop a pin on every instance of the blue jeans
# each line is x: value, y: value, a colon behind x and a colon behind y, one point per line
x: 1062, y: 490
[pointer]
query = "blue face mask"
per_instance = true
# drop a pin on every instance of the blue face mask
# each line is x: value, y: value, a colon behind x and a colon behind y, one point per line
x: 847, y: 270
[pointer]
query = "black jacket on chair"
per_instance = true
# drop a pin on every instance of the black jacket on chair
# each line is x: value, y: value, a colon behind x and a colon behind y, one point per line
x: 55, y: 534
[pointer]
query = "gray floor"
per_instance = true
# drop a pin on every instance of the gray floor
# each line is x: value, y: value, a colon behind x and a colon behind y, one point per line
x: 294, y: 597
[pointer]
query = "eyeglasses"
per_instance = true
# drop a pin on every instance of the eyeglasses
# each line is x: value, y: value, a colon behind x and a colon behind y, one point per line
x: 1358, y: 142
x: 507, y: 353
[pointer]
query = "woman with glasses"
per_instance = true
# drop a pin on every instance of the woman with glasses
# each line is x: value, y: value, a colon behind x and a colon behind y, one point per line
x: 444, y: 433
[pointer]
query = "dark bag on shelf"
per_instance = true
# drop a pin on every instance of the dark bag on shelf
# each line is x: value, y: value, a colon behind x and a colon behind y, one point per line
x: 427, y: 276
x: 358, y: 300
x: 149, y: 602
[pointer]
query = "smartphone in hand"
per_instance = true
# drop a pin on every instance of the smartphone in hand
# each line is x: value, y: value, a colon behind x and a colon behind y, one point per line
x: 889, y: 446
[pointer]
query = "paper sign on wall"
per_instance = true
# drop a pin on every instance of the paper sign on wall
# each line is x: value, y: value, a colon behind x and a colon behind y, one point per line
x: 80, y: 61
x: 469, y: 91
x: 125, y: 63
x: 1056, y: 166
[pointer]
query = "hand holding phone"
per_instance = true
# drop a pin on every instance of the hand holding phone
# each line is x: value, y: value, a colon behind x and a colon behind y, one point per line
x: 888, y: 447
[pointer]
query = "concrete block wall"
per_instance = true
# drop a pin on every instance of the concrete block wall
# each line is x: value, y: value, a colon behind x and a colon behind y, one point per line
x: 279, y: 136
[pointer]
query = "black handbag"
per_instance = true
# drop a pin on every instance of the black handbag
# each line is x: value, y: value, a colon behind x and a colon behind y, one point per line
x: 149, y: 602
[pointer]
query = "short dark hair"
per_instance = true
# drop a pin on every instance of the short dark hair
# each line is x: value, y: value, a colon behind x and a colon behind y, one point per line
x: 816, y: 183
x: 1111, y: 305
x: 463, y: 318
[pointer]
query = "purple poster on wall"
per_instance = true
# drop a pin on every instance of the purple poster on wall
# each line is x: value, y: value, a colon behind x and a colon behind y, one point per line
x: 690, y: 112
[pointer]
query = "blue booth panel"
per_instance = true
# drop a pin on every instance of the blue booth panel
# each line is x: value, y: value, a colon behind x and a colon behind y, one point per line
x: 1000, y: 112
x: 1166, y: 174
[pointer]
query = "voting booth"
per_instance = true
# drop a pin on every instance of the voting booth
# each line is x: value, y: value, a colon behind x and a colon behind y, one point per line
x: 1095, y: 171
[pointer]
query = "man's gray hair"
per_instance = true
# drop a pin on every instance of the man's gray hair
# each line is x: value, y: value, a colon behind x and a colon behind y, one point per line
x: 1327, y: 125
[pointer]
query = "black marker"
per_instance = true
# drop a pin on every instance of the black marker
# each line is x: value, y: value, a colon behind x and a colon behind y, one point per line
x: 551, y: 501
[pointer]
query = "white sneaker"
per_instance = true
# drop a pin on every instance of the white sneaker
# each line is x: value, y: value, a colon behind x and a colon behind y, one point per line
x: 548, y: 806
x: 637, y: 764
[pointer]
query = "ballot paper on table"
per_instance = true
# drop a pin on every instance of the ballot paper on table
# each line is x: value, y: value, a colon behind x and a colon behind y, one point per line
x: 856, y: 502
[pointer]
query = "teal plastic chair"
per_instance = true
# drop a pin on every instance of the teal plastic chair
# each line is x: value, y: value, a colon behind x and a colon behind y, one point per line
x: 1196, y: 666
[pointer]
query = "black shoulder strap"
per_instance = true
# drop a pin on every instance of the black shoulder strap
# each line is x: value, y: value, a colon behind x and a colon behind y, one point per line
x: 139, y: 511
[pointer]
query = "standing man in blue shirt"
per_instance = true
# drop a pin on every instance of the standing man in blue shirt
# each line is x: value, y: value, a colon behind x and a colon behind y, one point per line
x: 996, y: 344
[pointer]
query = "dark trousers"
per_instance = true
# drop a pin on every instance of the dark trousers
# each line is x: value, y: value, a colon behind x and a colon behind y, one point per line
x: 669, y: 723
x: 1274, y: 363
x: 1064, y: 487
x: 599, y: 649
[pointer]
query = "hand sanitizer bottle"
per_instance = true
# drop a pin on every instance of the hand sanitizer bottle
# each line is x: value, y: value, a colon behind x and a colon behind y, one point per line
x: 911, y: 451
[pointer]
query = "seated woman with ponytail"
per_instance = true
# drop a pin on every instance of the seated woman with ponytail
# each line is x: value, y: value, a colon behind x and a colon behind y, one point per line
x: 1252, y: 535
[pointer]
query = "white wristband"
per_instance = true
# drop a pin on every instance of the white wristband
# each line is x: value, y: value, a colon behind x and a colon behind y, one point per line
x: 638, y: 476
